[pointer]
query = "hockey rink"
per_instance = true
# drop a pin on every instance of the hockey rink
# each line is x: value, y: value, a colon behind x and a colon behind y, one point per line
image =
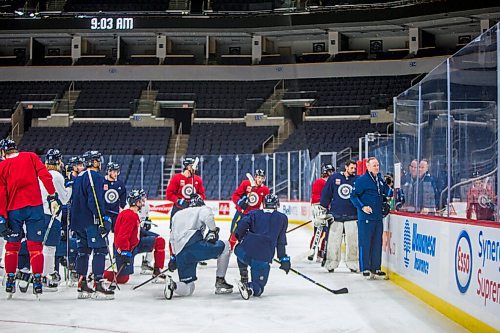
x: 289, y: 304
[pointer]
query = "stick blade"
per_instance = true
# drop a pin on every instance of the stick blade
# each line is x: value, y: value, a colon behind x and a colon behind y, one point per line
x: 340, y: 291
x: 251, y: 179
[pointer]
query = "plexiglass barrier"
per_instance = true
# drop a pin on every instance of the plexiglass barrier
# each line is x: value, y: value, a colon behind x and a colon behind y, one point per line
x: 446, y: 135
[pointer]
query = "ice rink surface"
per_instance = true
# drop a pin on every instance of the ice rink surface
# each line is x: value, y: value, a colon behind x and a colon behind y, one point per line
x: 289, y: 304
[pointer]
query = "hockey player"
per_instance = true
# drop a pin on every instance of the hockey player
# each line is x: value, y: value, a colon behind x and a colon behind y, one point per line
x: 480, y: 200
x: 260, y: 233
x: 335, y: 198
x: 115, y: 193
x: 184, y: 185
x: 52, y: 230
x: 146, y: 223
x: 247, y: 197
x: 190, y: 247
x: 21, y: 205
x: 368, y: 196
x: 91, y: 227
x: 128, y: 243
x: 318, y: 215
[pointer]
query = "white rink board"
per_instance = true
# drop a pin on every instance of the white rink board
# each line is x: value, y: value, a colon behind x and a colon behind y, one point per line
x: 457, y: 262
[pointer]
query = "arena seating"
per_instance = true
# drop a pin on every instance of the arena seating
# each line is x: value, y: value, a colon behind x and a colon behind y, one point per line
x: 243, y: 5
x: 349, y: 95
x: 329, y: 135
x: 4, y: 130
x: 117, y: 5
x: 120, y: 142
x: 219, y: 99
x: 107, y: 98
x: 93, y: 61
x: 12, y: 92
x: 220, y: 138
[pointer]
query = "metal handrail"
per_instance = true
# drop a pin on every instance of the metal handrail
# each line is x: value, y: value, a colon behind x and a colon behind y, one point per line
x: 176, y: 147
x: 267, y: 140
x: 16, y: 125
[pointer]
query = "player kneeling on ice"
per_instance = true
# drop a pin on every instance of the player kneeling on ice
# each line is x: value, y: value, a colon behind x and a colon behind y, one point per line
x: 128, y: 243
x: 190, y: 247
x: 259, y: 233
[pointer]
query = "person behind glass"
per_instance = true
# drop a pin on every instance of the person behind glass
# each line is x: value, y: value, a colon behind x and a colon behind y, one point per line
x: 408, y: 181
x: 318, y: 212
x: 428, y: 194
x: 480, y: 199
x: 367, y: 196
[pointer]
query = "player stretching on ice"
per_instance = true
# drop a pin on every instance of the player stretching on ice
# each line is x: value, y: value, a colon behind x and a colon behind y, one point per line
x: 91, y: 227
x: 190, y: 247
x: 318, y: 214
x: 259, y: 233
x: 336, y: 198
x: 115, y: 193
x: 52, y: 230
x: 21, y: 205
x: 247, y: 197
x: 184, y: 185
x: 128, y: 243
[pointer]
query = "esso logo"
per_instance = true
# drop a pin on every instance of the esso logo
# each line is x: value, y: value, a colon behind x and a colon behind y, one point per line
x: 463, y: 261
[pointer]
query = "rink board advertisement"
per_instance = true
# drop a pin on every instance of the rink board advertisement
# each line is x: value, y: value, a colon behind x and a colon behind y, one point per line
x: 456, y: 262
x: 296, y: 211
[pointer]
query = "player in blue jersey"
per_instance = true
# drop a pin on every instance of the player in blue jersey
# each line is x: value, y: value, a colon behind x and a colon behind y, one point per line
x: 335, y: 198
x: 115, y: 193
x: 91, y: 227
x: 260, y: 234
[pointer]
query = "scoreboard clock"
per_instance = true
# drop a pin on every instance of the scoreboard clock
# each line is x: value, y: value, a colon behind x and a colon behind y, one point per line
x: 112, y: 23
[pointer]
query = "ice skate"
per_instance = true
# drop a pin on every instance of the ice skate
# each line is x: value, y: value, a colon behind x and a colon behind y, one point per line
x: 159, y: 277
x: 146, y: 268
x: 245, y: 291
x: 170, y: 286
x: 24, y: 277
x: 222, y: 287
x: 203, y: 263
x: 10, y: 285
x: 244, y: 276
x: 102, y: 292
x: 37, y: 285
x: 378, y: 275
x: 51, y: 281
x: 310, y: 255
x: 84, y: 291
x: 73, y: 278
x: 367, y: 275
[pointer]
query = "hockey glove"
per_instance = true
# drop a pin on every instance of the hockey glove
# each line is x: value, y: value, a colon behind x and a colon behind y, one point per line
x: 285, y: 264
x: 243, y: 203
x: 212, y: 236
x: 182, y: 203
x: 172, y: 264
x: 54, y: 204
x: 5, y: 231
x: 322, y: 212
x: 105, y: 227
x: 147, y: 224
x: 232, y: 241
x: 126, y: 257
x: 68, y: 183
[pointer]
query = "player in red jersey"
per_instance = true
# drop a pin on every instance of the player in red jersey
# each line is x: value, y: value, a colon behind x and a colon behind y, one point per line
x: 326, y: 171
x: 184, y: 185
x: 481, y: 200
x: 21, y: 204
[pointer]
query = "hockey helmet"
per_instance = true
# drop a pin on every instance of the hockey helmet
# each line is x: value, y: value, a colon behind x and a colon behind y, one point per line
x: 53, y: 157
x: 271, y: 201
x: 142, y: 192
x: 327, y: 167
x: 196, y: 201
x: 112, y: 166
x: 8, y: 144
x: 187, y: 162
x: 91, y: 156
x: 133, y: 197
x: 260, y: 172
x: 75, y: 160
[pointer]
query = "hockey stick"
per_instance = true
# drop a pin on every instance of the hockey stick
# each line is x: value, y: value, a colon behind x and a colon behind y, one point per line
x: 48, y: 229
x: 333, y: 291
x: 299, y: 226
x: 115, y: 276
x: 149, y: 280
x: 251, y: 179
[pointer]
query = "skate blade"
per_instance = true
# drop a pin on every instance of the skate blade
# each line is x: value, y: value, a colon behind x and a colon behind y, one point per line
x: 50, y: 289
x: 146, y: 272
x: 103, y: 297
x: 10, y: 295
x: 243, y: 291
x: 84, y: 295
x: 222, y: 291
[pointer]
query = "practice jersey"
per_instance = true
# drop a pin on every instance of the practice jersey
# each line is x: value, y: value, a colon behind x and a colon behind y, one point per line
x: 181, y: 187
x: 316, y: 189
x: 84, y: 209
x: 115, y: 196
x: 261, y: 232
x: 254, y: 194
x: 336, y: 196
x: 187, y: 222
x: 480, y: 200
x: 127, y: 230
x: 63, y: 192
x: 19, y: 182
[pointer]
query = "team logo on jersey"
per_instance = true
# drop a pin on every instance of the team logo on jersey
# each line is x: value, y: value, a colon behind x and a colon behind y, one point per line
x: 111, y: 196
x: 187, y: 191
x: 345, y: 191
x: 253, y: 199
x: 337, y: 181
x: 484, y: 201
x: 106, y: 187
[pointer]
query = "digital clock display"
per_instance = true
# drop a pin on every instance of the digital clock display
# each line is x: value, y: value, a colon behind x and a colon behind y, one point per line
x: 112, y: 23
